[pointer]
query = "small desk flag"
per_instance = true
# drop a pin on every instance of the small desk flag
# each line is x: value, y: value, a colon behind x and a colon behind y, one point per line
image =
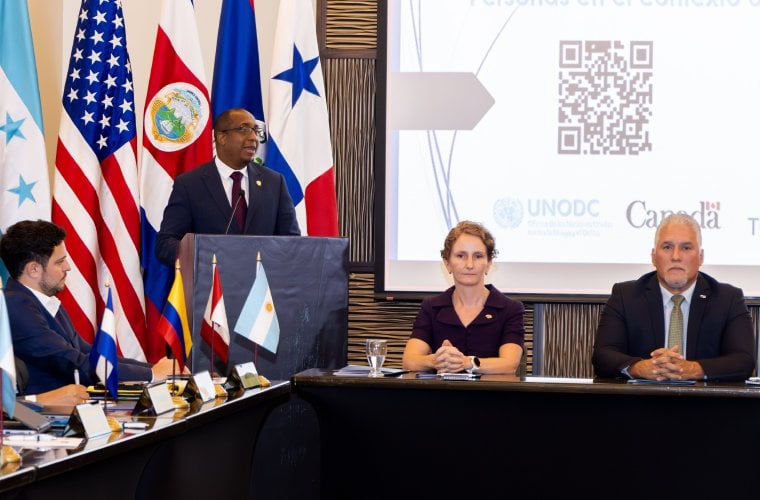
x: 214, y: 329
x: 173, y: 325
x: 7, y: 362
x: 258, y: 319
x: 103, y: 356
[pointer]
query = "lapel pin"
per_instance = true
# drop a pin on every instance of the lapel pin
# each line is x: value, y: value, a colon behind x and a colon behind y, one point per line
x: 258, y: 183
x: 488, y: 316
x: 701, y: 296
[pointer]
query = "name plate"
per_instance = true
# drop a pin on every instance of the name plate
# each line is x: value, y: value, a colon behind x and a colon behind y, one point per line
x: 244, y: 376
x: 155, y: 399
x: 200, y: 386
x: 88, y: 419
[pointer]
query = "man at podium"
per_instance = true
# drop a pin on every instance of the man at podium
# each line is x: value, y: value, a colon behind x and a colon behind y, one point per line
x: 231, y: 194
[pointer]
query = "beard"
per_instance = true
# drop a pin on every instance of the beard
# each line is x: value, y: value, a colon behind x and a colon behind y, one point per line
x: 51, y: 289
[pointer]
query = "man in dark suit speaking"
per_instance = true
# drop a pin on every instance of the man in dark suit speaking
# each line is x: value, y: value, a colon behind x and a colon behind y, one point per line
x: 231, y: 194
x: 675, y: 323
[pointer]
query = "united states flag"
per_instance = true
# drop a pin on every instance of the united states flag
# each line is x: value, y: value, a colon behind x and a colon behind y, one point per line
x: 95, y: 184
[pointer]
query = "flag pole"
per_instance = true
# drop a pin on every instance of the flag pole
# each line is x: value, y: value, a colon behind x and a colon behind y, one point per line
x: 174, y: 367
x: 2, y: 413
x: 213, y: 272
x: 255, y: 345
x: 105, y: 365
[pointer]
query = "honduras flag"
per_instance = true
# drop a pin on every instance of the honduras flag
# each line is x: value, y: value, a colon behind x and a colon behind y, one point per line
x: 24, y: 178
x: 299, y: 132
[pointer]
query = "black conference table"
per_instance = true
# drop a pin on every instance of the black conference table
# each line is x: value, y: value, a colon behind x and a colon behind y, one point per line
x: 506, y: 437
x: 205, y: 451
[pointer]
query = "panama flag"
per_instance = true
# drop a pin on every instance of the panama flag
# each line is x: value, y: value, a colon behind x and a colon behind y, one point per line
x: 299, y: 133
x: 24, y: 179
x: 214, y: 330
x: 95, y: 187
x: 103, y: 355
x: 258, y: 319
x: 176, y: 138
x: 7, y: 361
x: 173, y: 325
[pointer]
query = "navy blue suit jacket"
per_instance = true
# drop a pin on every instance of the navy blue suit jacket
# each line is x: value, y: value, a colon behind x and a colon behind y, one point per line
x: 199, y: 204
x: 50, y: 346
x: 719, y: 333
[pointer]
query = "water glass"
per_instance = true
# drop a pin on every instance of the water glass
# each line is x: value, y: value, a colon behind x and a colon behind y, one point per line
x: 376, y: 351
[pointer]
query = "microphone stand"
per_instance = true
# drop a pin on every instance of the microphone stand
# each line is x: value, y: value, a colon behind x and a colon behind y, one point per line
x: 241, y: 195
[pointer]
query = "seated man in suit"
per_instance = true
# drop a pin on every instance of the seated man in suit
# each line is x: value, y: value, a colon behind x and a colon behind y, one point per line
x: 43, y: 335
x: 675, y: 323
x: 68, y: 395
x: 231, y: 194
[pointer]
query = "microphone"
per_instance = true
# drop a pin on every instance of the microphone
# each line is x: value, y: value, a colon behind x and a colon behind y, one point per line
x: 234, y: 210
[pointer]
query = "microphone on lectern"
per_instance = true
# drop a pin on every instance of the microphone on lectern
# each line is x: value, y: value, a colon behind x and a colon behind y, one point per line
x: 241, y: 196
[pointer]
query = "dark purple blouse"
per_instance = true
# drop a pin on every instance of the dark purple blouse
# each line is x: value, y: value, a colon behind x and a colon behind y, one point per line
x: 500, y: 322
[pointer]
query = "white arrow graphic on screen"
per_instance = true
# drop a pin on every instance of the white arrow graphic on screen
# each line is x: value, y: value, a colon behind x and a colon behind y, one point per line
x: 437, y: 101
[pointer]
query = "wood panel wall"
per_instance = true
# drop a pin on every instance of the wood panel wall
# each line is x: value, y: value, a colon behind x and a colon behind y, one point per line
x: 559, y: 337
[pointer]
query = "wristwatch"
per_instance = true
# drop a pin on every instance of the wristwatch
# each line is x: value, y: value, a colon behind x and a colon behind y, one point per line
x: 475, y: 365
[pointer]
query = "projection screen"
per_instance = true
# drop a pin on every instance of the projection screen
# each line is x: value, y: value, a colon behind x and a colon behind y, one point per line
x: 569, y: 128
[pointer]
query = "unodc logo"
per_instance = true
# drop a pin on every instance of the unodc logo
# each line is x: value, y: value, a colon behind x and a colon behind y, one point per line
x: 176, y: 116
x: 508, y: 212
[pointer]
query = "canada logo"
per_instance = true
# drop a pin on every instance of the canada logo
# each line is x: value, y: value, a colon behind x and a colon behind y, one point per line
x: 176, y: 116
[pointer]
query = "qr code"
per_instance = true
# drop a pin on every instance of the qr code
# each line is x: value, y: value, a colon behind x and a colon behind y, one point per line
x: 605, y: 97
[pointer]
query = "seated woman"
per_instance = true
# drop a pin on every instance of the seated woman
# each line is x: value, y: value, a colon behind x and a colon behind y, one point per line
x: 471, y: 326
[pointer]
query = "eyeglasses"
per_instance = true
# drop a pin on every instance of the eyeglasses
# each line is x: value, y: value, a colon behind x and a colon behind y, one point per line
x: 244, y: 130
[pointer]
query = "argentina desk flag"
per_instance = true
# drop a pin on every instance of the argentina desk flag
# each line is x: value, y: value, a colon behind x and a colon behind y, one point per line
x: 258, y: 319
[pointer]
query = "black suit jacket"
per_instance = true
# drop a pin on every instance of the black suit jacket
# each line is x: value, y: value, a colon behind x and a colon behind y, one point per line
x: 51, y: 348
x: 199, y: 204
x: 719, y: 333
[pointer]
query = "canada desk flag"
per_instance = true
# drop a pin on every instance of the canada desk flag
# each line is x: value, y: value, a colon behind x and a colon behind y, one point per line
x: 258, y: 319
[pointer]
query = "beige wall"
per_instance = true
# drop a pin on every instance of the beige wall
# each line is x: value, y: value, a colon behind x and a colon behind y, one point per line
x: 53, y: 24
